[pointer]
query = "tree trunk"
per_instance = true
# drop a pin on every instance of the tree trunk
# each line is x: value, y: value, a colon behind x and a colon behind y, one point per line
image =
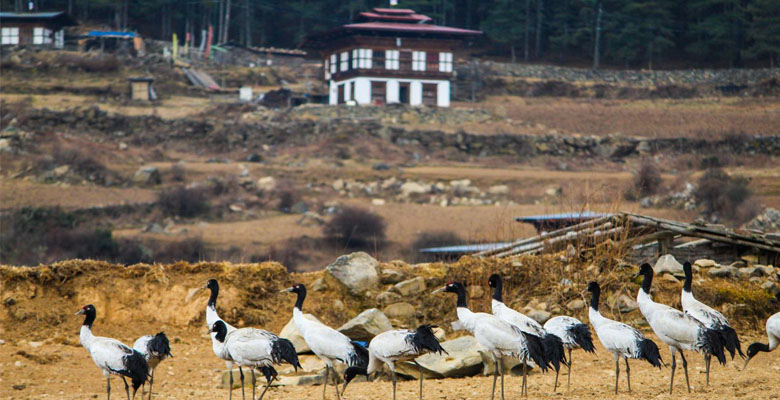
x: 597, y: 45
x: 650, y: 56
x: 124, y: 14
x: 527, y: 29
x: 70, y: 7
x: 227, y: 22
x: 514, y: 56
x: 539, y: 17
x: 220, y: 19
x: 247, y: 23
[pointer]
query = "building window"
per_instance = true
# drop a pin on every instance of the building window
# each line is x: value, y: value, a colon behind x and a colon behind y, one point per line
x: 59, y: 39
x: 378, y: 57
x: 344, y: 58
x: 10, y: 36
x: 418, y: 61
x: 361, y: 58
x: 333, y: 63
x: 378, y: 92
x: 41, y: 36
x: 406, y: 60
x: 392, y: 59
x: 445, y: 62
x: 430, y: 90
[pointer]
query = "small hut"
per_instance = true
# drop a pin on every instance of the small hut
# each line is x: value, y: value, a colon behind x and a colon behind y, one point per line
x: 141, y: 89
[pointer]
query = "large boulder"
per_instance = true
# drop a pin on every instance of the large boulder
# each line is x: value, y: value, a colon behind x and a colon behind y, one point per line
x: 513, y: 365
x: 410, y: 287
x: 724, y: 271
x: 540, y: 316
x: 356, y: 272
x: 291, y: 332
x: 413, y: 188
x: 667, y: 264
x: 462, y: 359
x: 626, y: 304
x: 400, y: 310
x: 366, y: 325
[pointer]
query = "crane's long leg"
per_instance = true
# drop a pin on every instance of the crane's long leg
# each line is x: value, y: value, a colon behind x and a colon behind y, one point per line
x: 524, y: 390
x: 241, y: 372
x: 568, y: 378
x: 151, y: 384
x: 108, y: 387
x: 674, y: 365
x: 336, y: 383
x: 500, y: 368
x: 495, y: 376
x: 253, y: 383
x: 127, y: 387
x: 325, y: 384
x: 394, y: 382
x: 266, y: 388
x: 230, y: 389
x: 617, y: 371
x: 628, y: 374
x: 419, y: 367
x: 685, y: 368
x: 555, y: 385
x: 707, y: 359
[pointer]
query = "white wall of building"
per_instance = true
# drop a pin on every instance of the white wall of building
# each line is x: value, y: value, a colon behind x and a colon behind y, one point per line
x: 363, y: 90
x: 443, y: 94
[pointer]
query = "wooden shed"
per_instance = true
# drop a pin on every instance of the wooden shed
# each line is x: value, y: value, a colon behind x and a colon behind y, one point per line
x: 141, y: 89
x: 38, y: 29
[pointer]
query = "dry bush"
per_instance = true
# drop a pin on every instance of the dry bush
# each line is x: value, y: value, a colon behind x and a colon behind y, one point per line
x: 191, y: 249
x: 79, y: 62
x: 726, y: 197
x: 288, y: 253
x: 647, y: 181
x: 356, y: 227
x: 183, y: 202
x: 178, y: 173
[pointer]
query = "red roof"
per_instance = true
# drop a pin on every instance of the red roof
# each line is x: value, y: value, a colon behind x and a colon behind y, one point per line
x: 418, y: 18
x: 420, y: 28
x: 393, y: 10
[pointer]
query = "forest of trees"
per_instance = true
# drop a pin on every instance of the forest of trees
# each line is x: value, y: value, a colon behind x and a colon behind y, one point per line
x: 620, y: 33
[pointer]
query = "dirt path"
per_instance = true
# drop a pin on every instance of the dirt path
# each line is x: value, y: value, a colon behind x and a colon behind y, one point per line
x: 67, y: 372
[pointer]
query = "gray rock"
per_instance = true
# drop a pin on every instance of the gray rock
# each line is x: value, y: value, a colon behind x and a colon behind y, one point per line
x: 391, y: 276
x: 300, y: 380
x: 318, y: 285
x: 749, y: 272
x: 771, y: 287
x: 356, y: 272
x: 266, y: 183
x: 767, y: 270
x: 705, y: 263
x: 225, y: 379
x: 499, y: 190
x: 463, y: 359
x: 725, y: 271
x: 290, y: 332
x: 576, y: 305
x: 413, y: 188
x: 475, y: 291
x: 669, y: 278
x: 626, y: 304
x: 400, y: 310
x: 667, y: 264
x: 513, y: 365
x: 540, y: 316
x: 386, y: 298
x: 738, y: 264
x: 366, y: 325
x: 147, y: 176
x: 410, y: 287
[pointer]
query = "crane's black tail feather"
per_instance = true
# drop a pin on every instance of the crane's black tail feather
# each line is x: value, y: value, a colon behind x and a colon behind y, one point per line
x: 583, y: 337
x: 730, y: 340
x: 648, y: 350
x: 553, y: 350
x: 269, y: 372
x: 160, y: 346
x: 713, y: 344
x: 424, y: 340
x: 360, y: 356
x: 283, y: 350
x: 536, y: 351
x: 136, y: 368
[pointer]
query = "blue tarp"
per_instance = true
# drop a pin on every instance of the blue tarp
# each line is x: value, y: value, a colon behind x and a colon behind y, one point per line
x: 112, y: 34
x: 566, y: 216
x: 466, y: 248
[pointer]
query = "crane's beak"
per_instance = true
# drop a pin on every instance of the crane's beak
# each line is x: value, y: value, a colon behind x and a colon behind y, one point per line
x: 747, y: 360
x: 439, y: 290
x: 79, y: 312
x: 289, y: 289
x: 344, y: 388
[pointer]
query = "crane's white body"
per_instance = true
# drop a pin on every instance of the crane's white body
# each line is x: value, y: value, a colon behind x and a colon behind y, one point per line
x: 327, y: 343
x: 249, y: 347
x: 674, y: 327
x: 702, y: 312
x: 516, y: 318
x: 107, y: 353
x: 389, y: 347
x: 497, y: 336
x: 618, y: 338
x: 141, y: 345
x: 773, y: 331
x: 562, y: 326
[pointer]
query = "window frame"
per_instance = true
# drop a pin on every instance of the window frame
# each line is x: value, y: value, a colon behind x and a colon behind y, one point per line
x: 344, y: 61
x: 445, y: 62
x: 392, y: 59
x: 9, y: 35
x: 418, y: 61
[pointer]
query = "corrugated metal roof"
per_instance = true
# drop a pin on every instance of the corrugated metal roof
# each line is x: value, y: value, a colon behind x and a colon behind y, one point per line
x: 393, y: 10
x: 465, y: 248
x: 112, y: 34
x: 561, y: 216
x: 417, y: 18
x: 36, y: 15
x: 418, y: 28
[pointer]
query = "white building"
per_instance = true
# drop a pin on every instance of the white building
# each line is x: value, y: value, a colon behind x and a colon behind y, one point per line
x: 389, y: 56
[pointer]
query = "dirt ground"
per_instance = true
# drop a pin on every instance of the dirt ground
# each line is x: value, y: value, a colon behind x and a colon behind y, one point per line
x: 69, y: 373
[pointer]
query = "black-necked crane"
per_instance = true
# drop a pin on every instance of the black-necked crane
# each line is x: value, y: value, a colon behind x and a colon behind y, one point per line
x: 219, y: 346
x: 552, y: 345
x: 396, y: 345
x: 677, y: 329
x: 155, y: 349
x: 255, y: 348
x: 773, y: 331
x: 620, y: 339
x: 327, y: 343
x: 499, y: 337
x: 112, y: 356
x: 574, y: 335
x: 710, y: 318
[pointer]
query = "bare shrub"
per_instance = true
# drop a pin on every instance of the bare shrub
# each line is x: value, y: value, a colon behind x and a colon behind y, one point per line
x: 724, y: 196
x: 355, y: 227
x: 647, y: 181
x: 183, y: 202
x: 287, y: 253
x: 178, y: 173
x: 191, y: 249
x: 79, y: 62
